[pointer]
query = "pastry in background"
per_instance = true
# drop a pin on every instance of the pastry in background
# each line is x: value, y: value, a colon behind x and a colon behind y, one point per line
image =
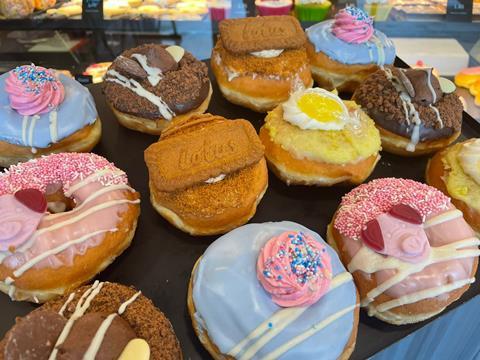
x: 416, y: 112
x: 312, y: 10
x: 219, y: 9
x: 207, y: 174
x: 258, y: 61
x: 345, y: 50
x: 470, y: 78
x: 44, y: 4
x: 456, y: 172
x: 97, y: 71
x: 273, y: 7
x: 379, y: 10
x: 315, y: 138
x: 44, y: 112
x: 63, y: 219
x: 408, y: 248
x: 149, y: 86
x: 14, y: 9
x: 99, y: 321
x: 284, y: 295
x: 69, y: 9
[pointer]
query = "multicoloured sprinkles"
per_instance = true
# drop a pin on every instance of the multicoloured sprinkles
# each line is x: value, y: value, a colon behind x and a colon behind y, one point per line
x: 359, y: 14
x: 34, y: 77
x: 63, y: 168
x: 369, y: 200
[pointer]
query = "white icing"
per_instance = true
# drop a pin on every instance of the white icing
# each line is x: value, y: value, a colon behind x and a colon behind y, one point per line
x: 437, y: 114
x: 66, y: 303
x: 154, y: 74
x: 53, y: 119
x: 430, y: 86
x: 134, y: 86
x: 24, y: 129
x: 31, y: 130
x: 267, y: 53
x: 124, y: 306
x: 91, y: 178
x: 97, y: 340
x: 215, y: 179
x: 443, y: 217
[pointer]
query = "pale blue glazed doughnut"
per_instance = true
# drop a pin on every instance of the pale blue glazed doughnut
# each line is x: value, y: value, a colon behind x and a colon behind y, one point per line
x: 231, y: 303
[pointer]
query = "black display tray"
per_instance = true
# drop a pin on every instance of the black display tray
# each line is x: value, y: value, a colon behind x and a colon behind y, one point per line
x: 160, y: 259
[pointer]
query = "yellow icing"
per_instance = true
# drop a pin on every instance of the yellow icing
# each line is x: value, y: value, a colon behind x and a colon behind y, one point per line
x: 320, y: 108
x: 356, y: 141
x: 460, y: 185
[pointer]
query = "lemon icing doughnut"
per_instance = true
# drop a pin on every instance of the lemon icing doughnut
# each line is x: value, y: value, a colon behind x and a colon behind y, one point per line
x: 44, y: 254
x: 409, y: 249
x: 273, y: 290
x: 43, y: 111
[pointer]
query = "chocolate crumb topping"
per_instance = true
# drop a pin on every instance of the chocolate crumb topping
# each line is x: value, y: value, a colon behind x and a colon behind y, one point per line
x: 183, y: 88
x: 381, y: 100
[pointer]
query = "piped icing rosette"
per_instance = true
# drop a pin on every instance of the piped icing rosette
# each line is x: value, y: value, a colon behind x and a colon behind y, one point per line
x: 294, y: 269
x: 33, y: 90
x: 407, y: 245
x: 231, y: 309
x: 353, y: 25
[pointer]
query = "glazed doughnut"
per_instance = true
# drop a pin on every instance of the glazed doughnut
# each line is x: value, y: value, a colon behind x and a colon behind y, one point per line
x: 207, y: 174
x: 408, y: 248
x: 260, y: 70
x: 99, y: 321
x: 44, y: 112
x: 317, y: 139
x: 416, y: 112
x: 149, y: 86
x: 455, y: 172
x: 284, y: 294
x: 91, y: 219
x: 346, y: 50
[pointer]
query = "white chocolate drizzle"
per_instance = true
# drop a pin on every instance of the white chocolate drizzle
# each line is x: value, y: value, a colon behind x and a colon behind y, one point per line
x: 91, y: 178
x: 154, y: 74
x: 135, y: 86
x: 124, y: 306
x: 443, y: 217
x: 52, y: 118
x: 66, y: 303
x: 278, y: 321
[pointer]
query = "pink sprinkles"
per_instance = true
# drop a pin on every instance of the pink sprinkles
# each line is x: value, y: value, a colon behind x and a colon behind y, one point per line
x: 367, y: 201
x: 63, y: 168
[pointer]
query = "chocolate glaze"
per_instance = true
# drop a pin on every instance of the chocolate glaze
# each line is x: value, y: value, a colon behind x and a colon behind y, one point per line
x: 183, y: 88
x: 381, y: 100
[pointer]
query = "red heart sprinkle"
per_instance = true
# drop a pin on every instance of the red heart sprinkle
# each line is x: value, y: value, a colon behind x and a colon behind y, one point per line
x: 372, y: 235
x: 33, y: 199
x: 406, y: 213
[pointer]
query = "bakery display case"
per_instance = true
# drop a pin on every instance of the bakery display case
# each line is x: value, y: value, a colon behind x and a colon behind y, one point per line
x: 337, y: 147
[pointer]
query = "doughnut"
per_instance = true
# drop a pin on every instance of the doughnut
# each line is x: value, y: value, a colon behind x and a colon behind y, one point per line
x: 470, y: 78
x: 44, y: 4
x: 284, y: 294
x: 455, y: 172
x: 63, y: 219
x: 344, y: 51
x: 317, y: 139
x: 99, y: 321
x: 408, y: 248
x: 14, y: 9
x: 258, y: 61
x: 207, y: 174
x: 44, y: 112
x: 149, y: 86
x: 416, y: 112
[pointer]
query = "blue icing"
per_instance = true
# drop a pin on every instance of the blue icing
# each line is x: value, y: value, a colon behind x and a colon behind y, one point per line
x: 75, y: 112
x: 379, y: 49
x: 231, y: 302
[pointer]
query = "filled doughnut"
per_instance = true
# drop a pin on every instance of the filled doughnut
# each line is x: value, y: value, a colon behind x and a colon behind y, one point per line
x: 408, y: 248
x: 258, y: 61
x: 99, y: 321
x: 346, y: 50
x: 44, y: 112
x: 207, y: 174
x: 455, y: 171
x: 149, y: 86
x: 416, y: 112
x: 63, y: 218
x: 315, y: 138
x: 284, y: 295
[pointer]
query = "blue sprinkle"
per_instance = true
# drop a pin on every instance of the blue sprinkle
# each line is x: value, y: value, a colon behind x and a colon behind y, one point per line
x: 270, y: 325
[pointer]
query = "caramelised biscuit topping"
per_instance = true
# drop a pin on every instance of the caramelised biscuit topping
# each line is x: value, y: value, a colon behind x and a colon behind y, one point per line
x: 153, y: 81
x: 201, y: 148
x: 247, y: 35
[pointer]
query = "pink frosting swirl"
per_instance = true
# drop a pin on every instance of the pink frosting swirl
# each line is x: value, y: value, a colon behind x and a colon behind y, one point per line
x: 33, y: 90
x: 353, y: 25
x: 294, y: 269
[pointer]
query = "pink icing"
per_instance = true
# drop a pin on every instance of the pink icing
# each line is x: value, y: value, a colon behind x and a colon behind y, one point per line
x: 34, y: 90
x: 367, y: 201
x: 353, y: 25
x: 69, y: 170
x: 17, y: 222
x: 294, y: 269
x: 471, y: 71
